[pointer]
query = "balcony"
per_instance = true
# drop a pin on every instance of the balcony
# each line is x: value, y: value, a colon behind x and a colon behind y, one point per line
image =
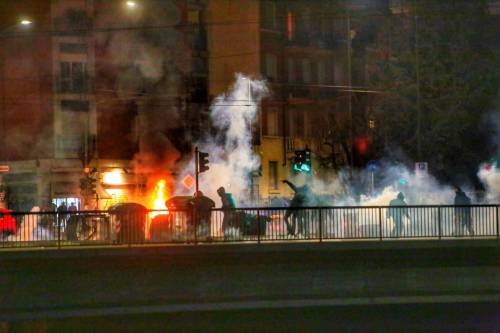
x: 74, y: 85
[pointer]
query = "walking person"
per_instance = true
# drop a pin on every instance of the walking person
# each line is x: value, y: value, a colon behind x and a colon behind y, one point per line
x: 463, y: 216
x: 302, y: 197
x: 62, y: 214
x: 228, y: 206
x: 397, y: 210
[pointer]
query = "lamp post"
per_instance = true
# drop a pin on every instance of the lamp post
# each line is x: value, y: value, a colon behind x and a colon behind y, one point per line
x: 350, y: 34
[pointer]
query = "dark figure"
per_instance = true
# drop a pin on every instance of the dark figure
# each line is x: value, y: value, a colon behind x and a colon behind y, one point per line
x: 301, y: 198
x: 202, y: 210
x: 397, y: 210
x: 72, y: 208
x: 62, y: 214
x: 463, y: 217
x: 228, y: 204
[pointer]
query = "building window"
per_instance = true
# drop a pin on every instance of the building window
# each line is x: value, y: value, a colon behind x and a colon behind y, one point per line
x: 297, y: 123
x: 272, y: 125
x: 269, y: 15
x: 193, y: 16
x: 306, y: 70
x: 76, y: 48
x: 74, y: 105
x: 271, y: 66
x: 273, y: 175
x: 292, y: 77
x: 73, y: 77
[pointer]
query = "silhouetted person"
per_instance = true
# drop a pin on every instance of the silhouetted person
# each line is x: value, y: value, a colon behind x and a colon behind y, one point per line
x: 72, y: 208
x: 463, y: 217
x: 62, y: 213
x: 228, y: 204
x: 202, y: 206
x: 397, y: 211
x: 301, y: 198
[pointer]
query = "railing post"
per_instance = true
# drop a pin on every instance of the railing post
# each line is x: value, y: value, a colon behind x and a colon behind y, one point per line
x: 380, y: 223
x: 194, y: 220
x: 59, y: 220
x: 439, y: 222
x: 320, y: 220
x: 130, y: 226
x: 498, y: 224
x: 258, y: 226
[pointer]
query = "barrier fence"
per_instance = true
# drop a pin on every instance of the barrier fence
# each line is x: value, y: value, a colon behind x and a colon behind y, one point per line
x: 138, y: 226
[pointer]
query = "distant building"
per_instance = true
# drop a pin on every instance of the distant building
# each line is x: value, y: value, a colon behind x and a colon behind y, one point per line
x: 301, y: 49
x: 65, y: 106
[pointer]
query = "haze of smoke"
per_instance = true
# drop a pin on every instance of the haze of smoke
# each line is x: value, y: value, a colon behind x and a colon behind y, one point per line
x: 232, y: 158
x: 491, y: 181
x: 491, y: 178
x: 29, y: 230
x: 389, y: 181
x: 150, y: 64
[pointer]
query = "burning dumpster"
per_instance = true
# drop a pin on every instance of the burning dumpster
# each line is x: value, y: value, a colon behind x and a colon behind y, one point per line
x: 173, y: 224
x: 128, y: 222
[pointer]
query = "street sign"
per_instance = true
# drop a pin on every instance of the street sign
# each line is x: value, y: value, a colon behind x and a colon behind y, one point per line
x: 188, y: 181
x: 4, y: 168
x: 373, y: 165
x: 421, y: 168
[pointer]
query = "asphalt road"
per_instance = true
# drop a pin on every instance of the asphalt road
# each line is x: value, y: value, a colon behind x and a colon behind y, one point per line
x: 444, y: 317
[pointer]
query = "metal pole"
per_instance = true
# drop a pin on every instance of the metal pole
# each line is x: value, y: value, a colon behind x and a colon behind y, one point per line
x: 373, y: 181
x: 439, y: 222
x: 258, y: 226
x: 196, y: 152
x: 417, y: 70
x: 380, y: 222
x: 194, y: 221
x: 349, y: 83
x: 498, y: 224
x: 320, y: 226
x: 59, y: 220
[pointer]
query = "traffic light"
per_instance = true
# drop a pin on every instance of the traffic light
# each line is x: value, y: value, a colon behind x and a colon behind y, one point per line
x: 92, y: 184
x: 298, y: 160
x: 307, y: 165
x: 88, y: 184
x: 202, y: 162
x: 302, y: 161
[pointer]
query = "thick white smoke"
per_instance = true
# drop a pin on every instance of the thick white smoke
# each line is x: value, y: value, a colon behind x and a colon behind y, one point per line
x: 388, y: 181
x: 490, y: 177
x: 232, y: 158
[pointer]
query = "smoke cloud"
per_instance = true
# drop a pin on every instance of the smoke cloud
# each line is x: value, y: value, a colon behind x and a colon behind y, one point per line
x: 232, y: 158
x: 148, y: 67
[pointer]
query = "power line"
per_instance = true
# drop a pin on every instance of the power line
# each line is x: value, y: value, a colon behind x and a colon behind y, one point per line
x: 359, y: 14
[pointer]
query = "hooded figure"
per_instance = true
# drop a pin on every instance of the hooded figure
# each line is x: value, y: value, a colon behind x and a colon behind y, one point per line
x: 397, y: 210
x: 228, y: 204
x: 202, y: 209
x: 303, y: 197
x: 463, y: 216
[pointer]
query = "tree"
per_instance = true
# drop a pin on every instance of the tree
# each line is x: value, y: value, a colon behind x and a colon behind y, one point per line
x: 449, y: 45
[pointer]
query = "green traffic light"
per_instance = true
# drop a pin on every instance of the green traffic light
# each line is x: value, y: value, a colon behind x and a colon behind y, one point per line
x: 305, y: 168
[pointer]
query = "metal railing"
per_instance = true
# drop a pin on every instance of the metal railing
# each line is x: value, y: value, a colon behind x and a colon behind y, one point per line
x: 263, y: 224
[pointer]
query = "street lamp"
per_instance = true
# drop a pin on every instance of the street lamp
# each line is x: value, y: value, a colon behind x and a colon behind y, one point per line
x: 25, y: 22
x: 131, y: 4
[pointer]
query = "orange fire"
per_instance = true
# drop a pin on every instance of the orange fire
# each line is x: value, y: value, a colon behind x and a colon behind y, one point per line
x: 159, y: 197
